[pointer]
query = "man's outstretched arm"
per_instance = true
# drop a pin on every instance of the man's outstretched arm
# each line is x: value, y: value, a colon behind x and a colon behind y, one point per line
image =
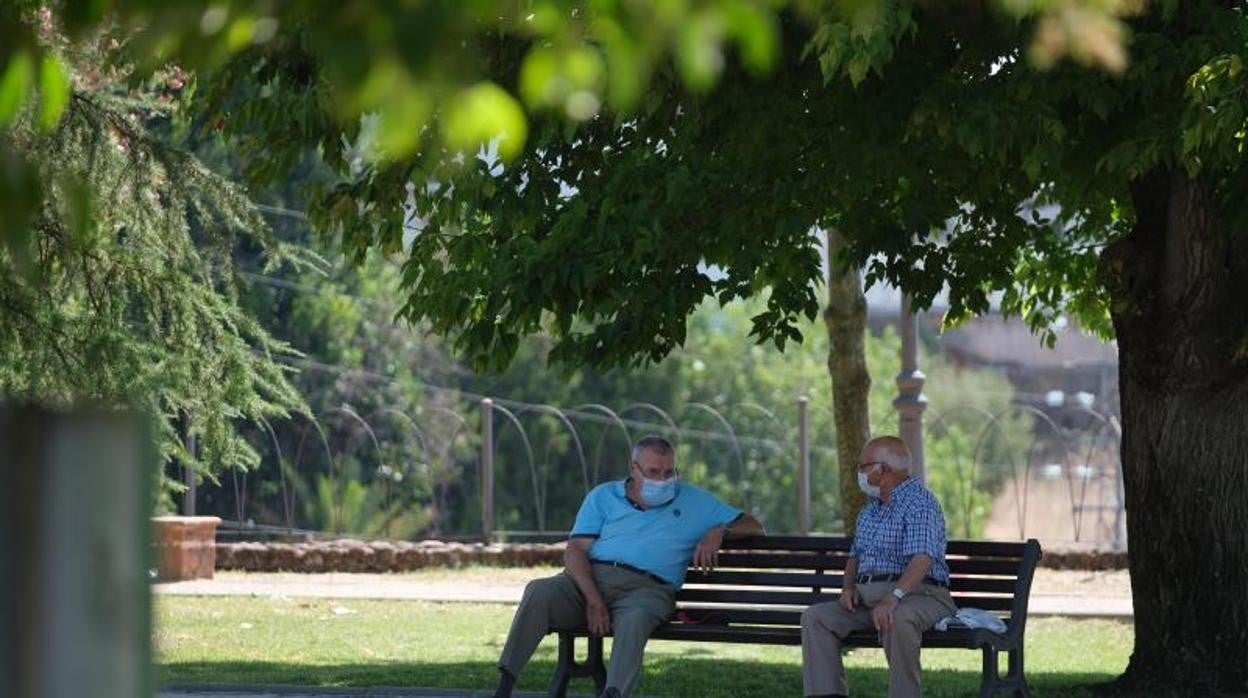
x: 706, y: 555
x: 744, y: 527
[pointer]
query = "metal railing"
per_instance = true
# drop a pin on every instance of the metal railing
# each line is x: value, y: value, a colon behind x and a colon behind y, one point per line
x: 523, y: 467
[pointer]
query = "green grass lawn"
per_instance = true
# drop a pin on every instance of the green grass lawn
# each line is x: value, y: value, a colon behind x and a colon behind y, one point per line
x: 403, y: 643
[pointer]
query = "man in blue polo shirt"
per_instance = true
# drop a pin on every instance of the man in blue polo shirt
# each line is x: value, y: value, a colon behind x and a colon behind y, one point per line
x: 896, y: 579
x: 627, y: 555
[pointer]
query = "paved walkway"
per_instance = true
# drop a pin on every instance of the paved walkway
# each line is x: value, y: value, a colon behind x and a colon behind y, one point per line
x: 305, y: 692
x: 1066, y: 594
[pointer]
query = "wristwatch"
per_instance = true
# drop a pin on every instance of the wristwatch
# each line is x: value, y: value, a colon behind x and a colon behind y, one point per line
x: 898, y: 593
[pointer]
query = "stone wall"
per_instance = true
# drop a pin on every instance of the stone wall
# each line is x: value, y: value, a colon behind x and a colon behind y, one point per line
x: 399, y: 556
x: 1092, y: 560
x: 380, y: 556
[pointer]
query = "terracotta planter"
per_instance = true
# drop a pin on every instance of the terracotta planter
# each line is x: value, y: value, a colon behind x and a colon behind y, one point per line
x: 186, y: 546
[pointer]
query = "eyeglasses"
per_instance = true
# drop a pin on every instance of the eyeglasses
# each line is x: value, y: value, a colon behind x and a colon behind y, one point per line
x: 864, y: 467
x: 656, y: 475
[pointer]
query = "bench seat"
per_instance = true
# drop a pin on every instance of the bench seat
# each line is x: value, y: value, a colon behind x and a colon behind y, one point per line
x: 757, y: 593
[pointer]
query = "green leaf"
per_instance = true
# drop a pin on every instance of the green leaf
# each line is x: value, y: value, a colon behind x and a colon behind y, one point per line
x: 482, y: 113
x: 15, y: 85
x: 402, y: 120
x: 538, y: 84
x: 698, y: 51
x: 240, y: 33
x: 54, y: 89
x: 756, y: 33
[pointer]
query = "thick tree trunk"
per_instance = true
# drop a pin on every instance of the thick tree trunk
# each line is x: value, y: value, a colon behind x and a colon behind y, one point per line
x: 1180, y: 309
x: 846, y: 320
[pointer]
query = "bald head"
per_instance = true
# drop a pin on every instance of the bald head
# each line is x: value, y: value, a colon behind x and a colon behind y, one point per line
x: 890, y: 450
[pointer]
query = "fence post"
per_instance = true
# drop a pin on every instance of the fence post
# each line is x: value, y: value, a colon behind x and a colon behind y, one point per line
x: 487, y: 469
x: 803, y: 465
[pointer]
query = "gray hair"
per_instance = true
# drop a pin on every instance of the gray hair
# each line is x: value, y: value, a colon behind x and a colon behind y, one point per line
x: 893, y: 451
x: 652, y: 442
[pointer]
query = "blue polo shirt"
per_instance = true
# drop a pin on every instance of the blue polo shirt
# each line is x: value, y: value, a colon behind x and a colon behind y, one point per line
x: 659, y: 540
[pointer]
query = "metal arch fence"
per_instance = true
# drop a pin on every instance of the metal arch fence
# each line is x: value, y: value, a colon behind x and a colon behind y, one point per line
x: 1020, y: 472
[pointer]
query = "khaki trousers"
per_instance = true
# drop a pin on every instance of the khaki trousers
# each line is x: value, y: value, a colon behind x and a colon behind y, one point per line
x: 638, y: 605
x: 825, y: 625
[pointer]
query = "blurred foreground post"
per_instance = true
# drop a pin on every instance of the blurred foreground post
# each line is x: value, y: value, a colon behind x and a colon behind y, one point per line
x: 74, y: 545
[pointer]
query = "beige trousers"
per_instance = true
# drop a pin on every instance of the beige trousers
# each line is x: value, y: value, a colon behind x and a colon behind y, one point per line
x: 638, y: 605
x: 825, y: 625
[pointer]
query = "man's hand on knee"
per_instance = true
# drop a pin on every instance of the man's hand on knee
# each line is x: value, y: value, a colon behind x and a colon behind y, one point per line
x: 597, y: 617
x: 882, y: 614
x: 847, y: 598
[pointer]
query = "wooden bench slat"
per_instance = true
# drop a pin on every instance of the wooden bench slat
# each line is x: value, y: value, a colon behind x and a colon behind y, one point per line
x: 809, y: 543
x: 746, y: 597
x: 739, y: 560
x: 809, y: 581
x: 729, y: 616
x: 830, y: 544
x: 756, y: 597
x: 988, y: 603
x: 776, y: 579
x: 981, y: 584
x: 711, y: 633
x: 728, y: 602
x: 780, y: 561
x: 999, y: 568
x: 985, y: 548
x: 959, y: 638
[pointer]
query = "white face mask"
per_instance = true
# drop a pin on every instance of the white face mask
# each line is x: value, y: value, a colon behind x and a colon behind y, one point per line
x: 656, y: 493
x: 872, y: 491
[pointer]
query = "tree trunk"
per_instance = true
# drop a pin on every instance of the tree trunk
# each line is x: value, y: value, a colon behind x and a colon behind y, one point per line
x: 846, y: 320
x: 1178, y: 284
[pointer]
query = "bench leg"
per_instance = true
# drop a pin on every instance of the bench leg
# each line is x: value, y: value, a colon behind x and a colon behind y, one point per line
x: 563, y: 669
x: 597, y: 667
x: 1014, y: 682
x: 568, y: 668
x: 990, y: 680
x: 1016, y: 674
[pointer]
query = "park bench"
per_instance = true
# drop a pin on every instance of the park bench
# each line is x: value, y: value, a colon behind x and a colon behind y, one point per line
x: 757, y: 593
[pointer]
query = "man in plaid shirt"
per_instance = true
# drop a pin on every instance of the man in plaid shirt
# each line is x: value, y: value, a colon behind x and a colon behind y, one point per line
x: 896, y: 580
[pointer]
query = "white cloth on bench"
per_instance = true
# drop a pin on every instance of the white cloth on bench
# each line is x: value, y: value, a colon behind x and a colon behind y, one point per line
x: 972, y: 618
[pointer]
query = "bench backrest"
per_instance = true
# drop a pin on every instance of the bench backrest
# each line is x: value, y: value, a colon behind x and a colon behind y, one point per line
x: 769, y: 580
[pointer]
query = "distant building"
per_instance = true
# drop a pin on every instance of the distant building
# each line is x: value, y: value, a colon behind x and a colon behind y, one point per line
x: 1080, y: 369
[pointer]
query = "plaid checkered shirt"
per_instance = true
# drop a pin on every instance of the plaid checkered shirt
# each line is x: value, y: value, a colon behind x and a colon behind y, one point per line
x: 890, y: 534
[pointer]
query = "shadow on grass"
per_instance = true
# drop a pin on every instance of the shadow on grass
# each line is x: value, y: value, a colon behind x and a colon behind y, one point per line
x: 664, y: 676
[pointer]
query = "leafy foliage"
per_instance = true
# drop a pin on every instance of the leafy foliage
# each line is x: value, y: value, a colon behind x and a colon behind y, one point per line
x: 818, y: 143
x: 121, y: 288
x: 380, y: 368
